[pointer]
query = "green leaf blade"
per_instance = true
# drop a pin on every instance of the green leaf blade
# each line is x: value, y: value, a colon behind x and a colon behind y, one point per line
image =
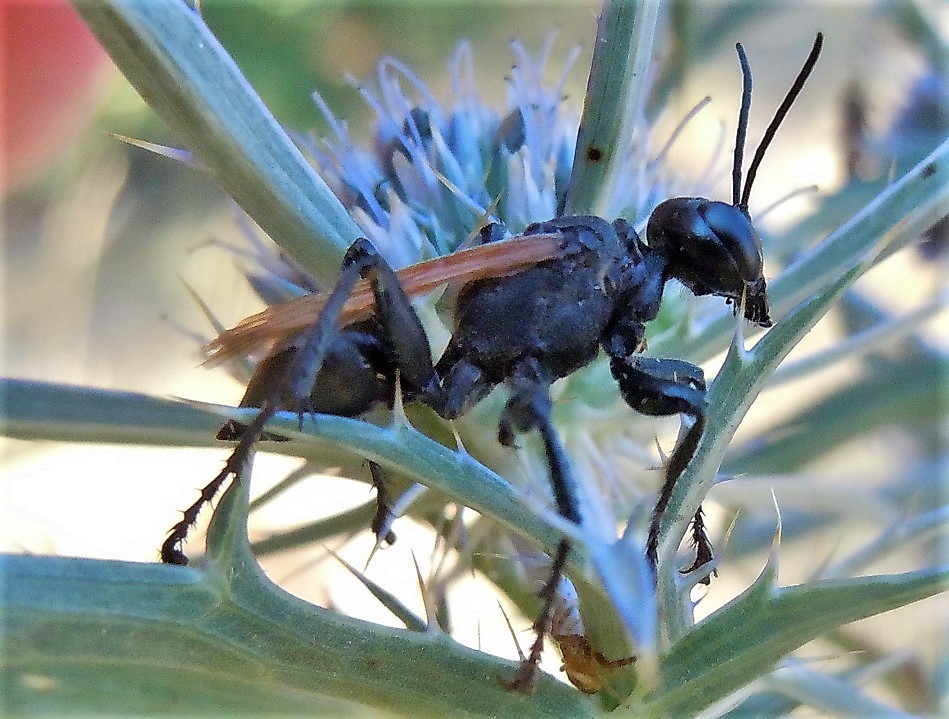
x: 750, y: 635
x: 900, y: 213
x: 124, y: 637
x: 612, y: 105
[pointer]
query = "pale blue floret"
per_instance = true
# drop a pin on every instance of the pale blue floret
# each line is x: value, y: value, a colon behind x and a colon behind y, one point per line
x: 437, y: 172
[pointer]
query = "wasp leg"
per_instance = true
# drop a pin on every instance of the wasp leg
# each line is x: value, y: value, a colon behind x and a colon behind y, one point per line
x: 267, y: 376
x: 403, y: 331
x: 528, y: 408
x: 464, y: 383
x: 665, y: 387
x: 170, y: 551
x: 294, y: 381
x: 409, y: 352
x: 381, y: 524
x: 703, y: 547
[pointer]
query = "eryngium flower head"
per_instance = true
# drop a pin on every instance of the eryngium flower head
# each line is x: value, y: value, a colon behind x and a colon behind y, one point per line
x: 438, y: 171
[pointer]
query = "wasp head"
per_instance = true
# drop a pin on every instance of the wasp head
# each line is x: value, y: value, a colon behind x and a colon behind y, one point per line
x: 713, y: 249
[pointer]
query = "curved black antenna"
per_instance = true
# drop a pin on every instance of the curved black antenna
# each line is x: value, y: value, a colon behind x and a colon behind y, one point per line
x: 742, y: 122
x: 779, y: 116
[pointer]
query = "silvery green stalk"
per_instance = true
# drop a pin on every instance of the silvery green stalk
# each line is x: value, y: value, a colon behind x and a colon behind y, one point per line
x: 222, y: 637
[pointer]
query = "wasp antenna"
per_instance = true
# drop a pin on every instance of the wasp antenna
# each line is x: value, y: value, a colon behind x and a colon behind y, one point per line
x: 779, y: 116
x: 742, y: 122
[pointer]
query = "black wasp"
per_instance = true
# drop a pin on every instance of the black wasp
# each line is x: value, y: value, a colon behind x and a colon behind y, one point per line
x: 534, y: 308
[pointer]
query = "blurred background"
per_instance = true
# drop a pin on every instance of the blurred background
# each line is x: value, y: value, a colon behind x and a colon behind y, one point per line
x: 101, y: 239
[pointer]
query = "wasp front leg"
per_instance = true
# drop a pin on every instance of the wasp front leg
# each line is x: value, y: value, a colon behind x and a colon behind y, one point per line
x: 665, y: 387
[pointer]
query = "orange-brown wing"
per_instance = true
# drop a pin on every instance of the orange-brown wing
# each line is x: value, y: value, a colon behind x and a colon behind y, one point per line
x: 278, y: 323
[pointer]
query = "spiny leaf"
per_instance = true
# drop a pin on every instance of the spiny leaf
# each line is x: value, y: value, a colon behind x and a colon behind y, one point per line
x: 46, y: 410
x: 613, y: 103
x: 387, y: 599
x: 96, y: 636
x: 750, y: 635
x: 39, y: 410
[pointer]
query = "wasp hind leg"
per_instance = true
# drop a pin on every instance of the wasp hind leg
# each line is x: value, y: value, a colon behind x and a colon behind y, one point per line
x: 290, y: 377
x: 269, y: 372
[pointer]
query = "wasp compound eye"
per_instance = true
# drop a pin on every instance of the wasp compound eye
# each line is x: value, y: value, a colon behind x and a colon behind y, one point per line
x: 737, y: 238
